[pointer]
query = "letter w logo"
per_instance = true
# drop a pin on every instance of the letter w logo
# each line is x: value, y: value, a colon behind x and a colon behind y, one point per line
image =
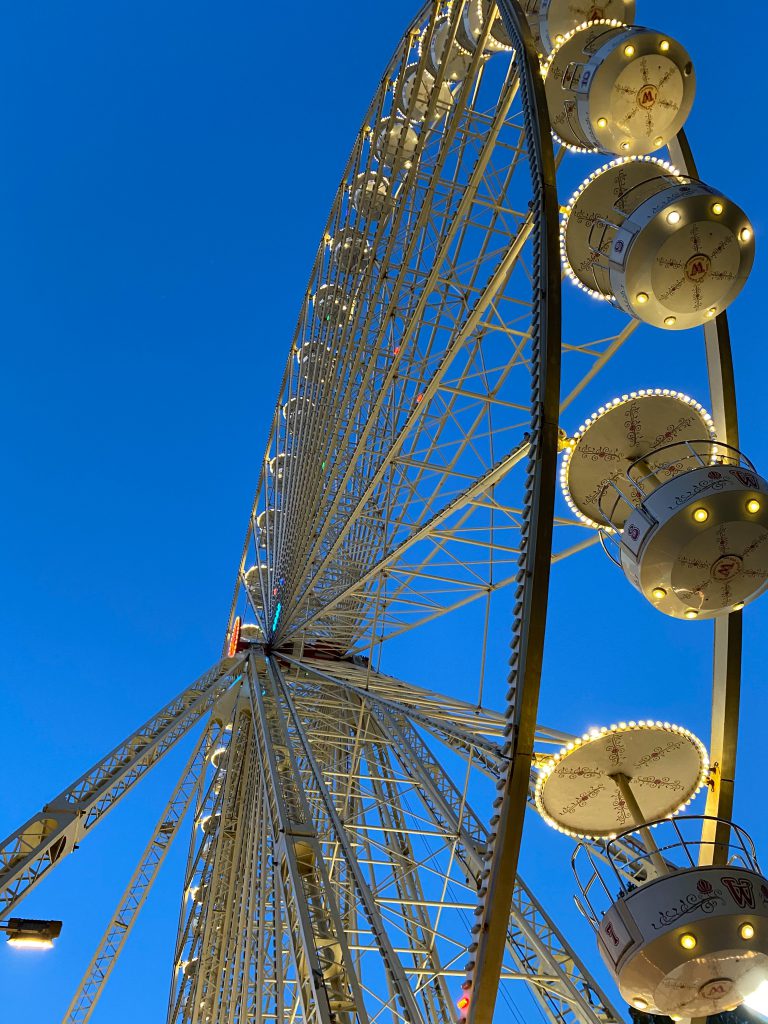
x: 741, y: 890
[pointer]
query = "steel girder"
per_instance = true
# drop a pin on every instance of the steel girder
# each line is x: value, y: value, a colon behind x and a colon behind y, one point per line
x: 327, y: 981
x: 558, y: 979
x: 307, y: 891
x: 53, y: 833
x: 138, y: 889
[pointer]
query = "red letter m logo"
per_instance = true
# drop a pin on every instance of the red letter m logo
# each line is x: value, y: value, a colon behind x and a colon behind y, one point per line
x: 741, y: 890
x: 647, y: 96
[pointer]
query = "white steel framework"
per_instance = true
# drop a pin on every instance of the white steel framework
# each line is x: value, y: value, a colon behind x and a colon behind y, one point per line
x: 355, y: 837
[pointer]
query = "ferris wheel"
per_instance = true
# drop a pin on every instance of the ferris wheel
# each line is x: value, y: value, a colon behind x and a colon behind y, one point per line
x: 355, y: 840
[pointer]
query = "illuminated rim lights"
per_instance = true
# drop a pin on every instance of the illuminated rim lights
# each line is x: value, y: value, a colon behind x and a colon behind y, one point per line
x: 443, y: 57
x: 294, y: 406
x: 572, y: 442
x: 334, y: 295
x: 234, y: 638
x: 665, y: 165
x: 496, y: 46
x: 560, y: 41
x: 598, y: 734
x: 688, y: 940
x: 628, y: 50
x: 747, y: 931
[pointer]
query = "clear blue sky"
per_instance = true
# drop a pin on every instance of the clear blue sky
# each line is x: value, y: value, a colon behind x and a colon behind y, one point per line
x: 165, y: 175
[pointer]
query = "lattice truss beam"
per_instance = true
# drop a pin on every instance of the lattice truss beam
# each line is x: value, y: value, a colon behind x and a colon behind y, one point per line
x: 334, y: 861
x: 30, y: 852
x: 392, y: 496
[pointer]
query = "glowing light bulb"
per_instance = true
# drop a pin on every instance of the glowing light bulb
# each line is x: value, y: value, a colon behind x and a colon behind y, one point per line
x: 641, y: 298
x: 664, y: 45
x: 738, y: 606
x: 670, y: 321
x: 673, y: 217
x: 602, y: 122
x: 691, y: 614
x: 629, y: 50
x: 700, y: 515
x: 717, y: 209
x: 658, y: 593
x: 712, y: 311
x: 688, y: 941
x: 753, y: 506
x: 639, y: 1004
x: 747, y: 931
x: 745, y: 234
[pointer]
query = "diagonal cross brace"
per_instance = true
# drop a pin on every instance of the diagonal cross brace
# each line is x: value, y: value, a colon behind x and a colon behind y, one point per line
x: 53, y: 833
